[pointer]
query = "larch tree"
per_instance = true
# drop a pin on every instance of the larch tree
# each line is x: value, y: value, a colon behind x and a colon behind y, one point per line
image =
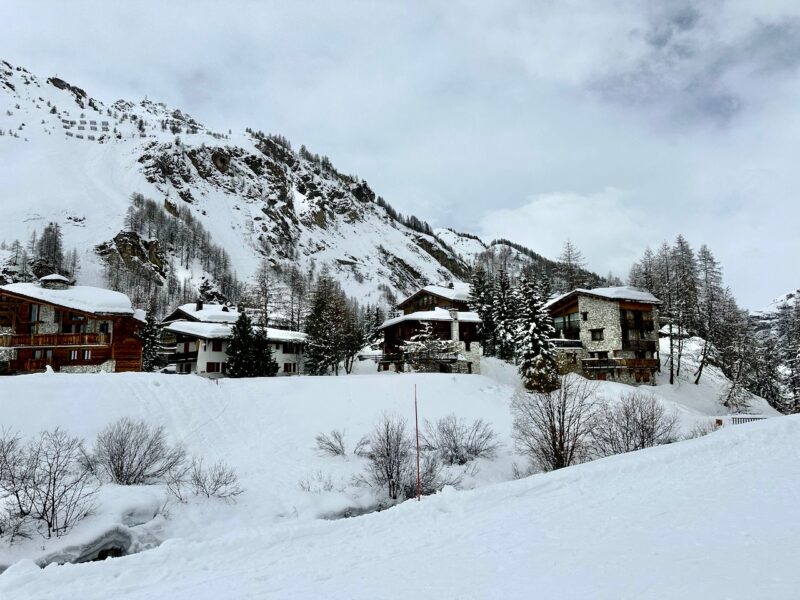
x: 571, y: 267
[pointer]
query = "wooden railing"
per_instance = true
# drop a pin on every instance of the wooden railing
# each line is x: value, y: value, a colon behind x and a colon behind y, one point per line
x: 620, y: 363
x: 54, y: 339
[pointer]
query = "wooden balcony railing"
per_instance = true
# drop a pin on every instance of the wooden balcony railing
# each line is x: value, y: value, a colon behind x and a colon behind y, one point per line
x: 54, y: 340
x: 619, y: 363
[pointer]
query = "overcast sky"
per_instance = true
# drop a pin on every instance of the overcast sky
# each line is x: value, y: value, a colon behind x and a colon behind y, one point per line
x: 617, y: 124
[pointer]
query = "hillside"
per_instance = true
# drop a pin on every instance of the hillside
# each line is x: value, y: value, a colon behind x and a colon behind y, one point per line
x: 674, y: 521
x: 73, y: 159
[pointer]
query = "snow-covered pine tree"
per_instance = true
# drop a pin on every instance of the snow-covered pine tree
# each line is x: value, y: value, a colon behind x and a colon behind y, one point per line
x: 150, y: 335
x: 480, y: 301
x: 325, y: 326
x: 425, y: 350
x: 241, y: 351
x: 266, y: 366
x: 504, y: 316
x: 535, y: 354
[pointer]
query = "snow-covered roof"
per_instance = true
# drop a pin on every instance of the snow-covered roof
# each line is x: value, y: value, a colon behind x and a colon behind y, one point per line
x: 211, y: 313
x: 210, y: 331
x: 77, y: 297
x: 623, y: 292
x: 437, y: 314
x: 54, y: 277
x: 459, y: 292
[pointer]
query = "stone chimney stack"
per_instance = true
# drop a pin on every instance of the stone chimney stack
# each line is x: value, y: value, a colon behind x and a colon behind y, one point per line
x: 454, y: 335
x: 199, y: 305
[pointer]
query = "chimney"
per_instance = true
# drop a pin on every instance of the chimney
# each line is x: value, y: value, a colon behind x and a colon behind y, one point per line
x: 454, y: 336
x: 199, y: 306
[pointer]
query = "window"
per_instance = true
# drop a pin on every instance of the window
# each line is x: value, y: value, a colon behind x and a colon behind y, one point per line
x: 186, y: 346
x: 287, y: 367
x: 103, y: 327
x: 585, y: 316
x: 73, y: 355
x: 213, y: 367
x: 87, y: 355
x: 216, y: 345
x: 597, y: 335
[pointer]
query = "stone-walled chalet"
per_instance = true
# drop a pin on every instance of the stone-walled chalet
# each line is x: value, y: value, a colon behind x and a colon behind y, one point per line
x: 608, y: 333
x: 71, y: 329
x: 445, y: 308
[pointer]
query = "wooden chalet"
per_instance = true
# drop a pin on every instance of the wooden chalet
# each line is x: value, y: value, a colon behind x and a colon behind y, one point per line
x: 76, y: 329
x: 446, y: 310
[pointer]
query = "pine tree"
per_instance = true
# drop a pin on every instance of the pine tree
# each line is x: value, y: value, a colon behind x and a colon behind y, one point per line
x: 480, y: 301
x: 324, y: 326
x: 242, y: 348
x: 265, y: 364
x: 503, y: 315
x: 425, y: 350
x: 535, y: 352
x: 150, y: 335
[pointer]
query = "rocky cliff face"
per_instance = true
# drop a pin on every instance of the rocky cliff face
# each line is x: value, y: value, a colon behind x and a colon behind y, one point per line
x: 255, y: 195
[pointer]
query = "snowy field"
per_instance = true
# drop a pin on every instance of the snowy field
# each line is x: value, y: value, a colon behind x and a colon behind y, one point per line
x: 708, y: 518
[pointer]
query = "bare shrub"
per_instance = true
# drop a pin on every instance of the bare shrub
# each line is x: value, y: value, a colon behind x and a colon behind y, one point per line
x: 316, y: 484
x: 331, y: 444
x: 44, y: 481
x: 390, y: 455
x: 637, y: 421
x: 132, y: 452
x: 457, y: 443
x: 553, y: 429
x: 217, y: 481
x: 362, y: 447
x: 392, y: 462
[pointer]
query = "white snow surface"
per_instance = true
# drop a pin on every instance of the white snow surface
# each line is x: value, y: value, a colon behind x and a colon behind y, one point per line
x: 223, y: 331
x: 84, y: 298
x: 623, y: 292
x: 709, y: 518
x: 211, y: 313
x: 437, y: 314
x: 459, y: 291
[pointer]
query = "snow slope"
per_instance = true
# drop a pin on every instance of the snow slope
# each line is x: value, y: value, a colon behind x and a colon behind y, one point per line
x: 709, y: 518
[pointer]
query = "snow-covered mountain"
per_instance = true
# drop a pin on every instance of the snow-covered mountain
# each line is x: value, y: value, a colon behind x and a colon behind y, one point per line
x: 75, y: 160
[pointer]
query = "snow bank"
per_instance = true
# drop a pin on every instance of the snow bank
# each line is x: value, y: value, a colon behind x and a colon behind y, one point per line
x: 709, y: 518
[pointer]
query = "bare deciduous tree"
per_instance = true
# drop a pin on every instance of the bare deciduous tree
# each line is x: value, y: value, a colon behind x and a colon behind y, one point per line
x: 457, y: 443
x: 132, y: 452
x: 554, y: 429
x: 637, y: 421
x: 390, y: 455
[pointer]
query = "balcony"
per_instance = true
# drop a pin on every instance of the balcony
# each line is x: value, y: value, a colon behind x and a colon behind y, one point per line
x: 590, y: 364
x: 54, y: 340
x: 566, y: 343
x: 640, y: 345
x: 569, y: 332
x: 641, y: 324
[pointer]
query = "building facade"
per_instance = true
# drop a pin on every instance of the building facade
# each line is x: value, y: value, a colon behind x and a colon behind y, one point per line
x: 71, y: 329
x: 608, y: 333
x: 197, y: 337
x: 443, y: 311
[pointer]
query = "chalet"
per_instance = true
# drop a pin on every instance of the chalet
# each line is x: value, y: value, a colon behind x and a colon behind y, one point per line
x: 608, y: 333
x: 445, y: 309
x: 198, y: 335
x: 71, y: 329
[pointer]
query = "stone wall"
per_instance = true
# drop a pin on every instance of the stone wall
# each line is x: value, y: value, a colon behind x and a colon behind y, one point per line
x: 47, y: 318
x: 601, y: 314
x: 107, y: 367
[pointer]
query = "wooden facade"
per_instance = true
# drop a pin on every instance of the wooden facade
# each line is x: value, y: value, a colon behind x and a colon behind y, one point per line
x: 428, y: 300
x: 35, y: 334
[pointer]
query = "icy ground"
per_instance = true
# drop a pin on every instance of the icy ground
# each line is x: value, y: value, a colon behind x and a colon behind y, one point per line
x: 708, y: 518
